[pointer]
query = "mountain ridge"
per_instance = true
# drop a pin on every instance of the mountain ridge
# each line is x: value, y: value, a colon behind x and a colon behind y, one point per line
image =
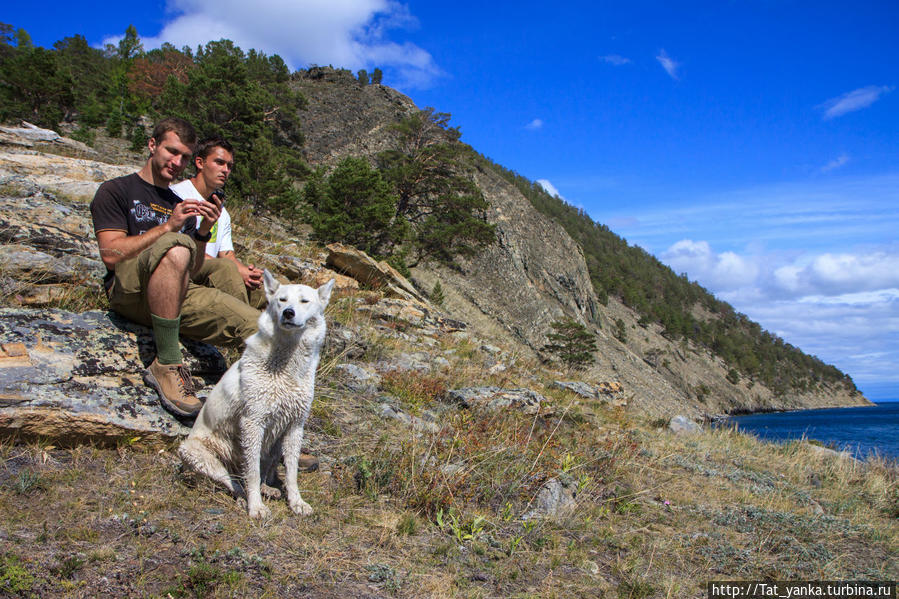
x: 548, y: 267
x: 540, y: 269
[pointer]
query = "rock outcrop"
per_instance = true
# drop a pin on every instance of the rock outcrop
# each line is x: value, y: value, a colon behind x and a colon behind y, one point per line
x: 365, y: 270
x: 75, y: 377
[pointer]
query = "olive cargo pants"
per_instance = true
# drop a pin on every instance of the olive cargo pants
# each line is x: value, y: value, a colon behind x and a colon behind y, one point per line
x: 215, y: 309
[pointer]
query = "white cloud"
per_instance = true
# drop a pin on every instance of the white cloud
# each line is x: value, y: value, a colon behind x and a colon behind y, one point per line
x: 836, y: 274
x: 723, y: 272
x: 844, y: 308
x: 615, y: 59
x: 862, y: 277
x: 549, y: 188
x: 668, y: 64
x: 863, y: 298
x: 836, y: 163
x: 534, y: 125
x: 854, y: 100
x: 859, y: 333
x: 814, y: 216
x: 344, y: 33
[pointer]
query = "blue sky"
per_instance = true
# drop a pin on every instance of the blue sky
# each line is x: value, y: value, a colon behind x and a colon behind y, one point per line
x: 751, y: 145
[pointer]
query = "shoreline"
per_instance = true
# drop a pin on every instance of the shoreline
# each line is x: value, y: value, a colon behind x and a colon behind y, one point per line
x: 741, y: 412
x: 858, y: 434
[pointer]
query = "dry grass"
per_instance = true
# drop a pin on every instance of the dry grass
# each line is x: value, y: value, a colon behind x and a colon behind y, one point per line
x: 656, y: 514
x: 406, y: 513
x: 32, y: 291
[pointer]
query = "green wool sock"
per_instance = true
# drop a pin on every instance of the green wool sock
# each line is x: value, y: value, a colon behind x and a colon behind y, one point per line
x: 165, y: 330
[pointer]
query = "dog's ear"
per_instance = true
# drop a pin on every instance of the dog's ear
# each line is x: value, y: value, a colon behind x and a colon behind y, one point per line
x: 270, y: 282
x: 324, y: 292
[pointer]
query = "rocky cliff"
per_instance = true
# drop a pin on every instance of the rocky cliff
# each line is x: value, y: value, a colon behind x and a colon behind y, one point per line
x: 536, y: 273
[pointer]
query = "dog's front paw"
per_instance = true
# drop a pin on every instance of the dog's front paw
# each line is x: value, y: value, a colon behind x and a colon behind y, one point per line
x: 270, y: 492
x: 301, y: 508
x: 259, y: 510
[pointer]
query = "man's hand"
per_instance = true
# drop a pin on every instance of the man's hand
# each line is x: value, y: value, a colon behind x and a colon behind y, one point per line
x: 180, y: 213
x: 252, y: 276
x: 209, y: 209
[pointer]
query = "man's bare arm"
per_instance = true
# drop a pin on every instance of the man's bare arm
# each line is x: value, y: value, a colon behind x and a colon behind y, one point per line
x: 116, y: 246
x: 209, y: 211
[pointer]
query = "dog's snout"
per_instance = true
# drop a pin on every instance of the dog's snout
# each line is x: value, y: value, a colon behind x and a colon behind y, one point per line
x: 288, y: 314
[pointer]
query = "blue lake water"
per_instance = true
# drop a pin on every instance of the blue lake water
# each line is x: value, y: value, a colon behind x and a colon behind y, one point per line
x: 862, y: 431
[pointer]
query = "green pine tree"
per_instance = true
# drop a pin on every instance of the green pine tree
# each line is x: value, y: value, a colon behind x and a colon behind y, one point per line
x: 572, y: 343
x: 354, y: 205
x: 247, y: 99
x: 437, y: 296
x: 427, y: 168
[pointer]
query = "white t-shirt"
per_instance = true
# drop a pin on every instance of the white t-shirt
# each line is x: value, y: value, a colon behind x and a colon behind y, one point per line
x: 221, y: 230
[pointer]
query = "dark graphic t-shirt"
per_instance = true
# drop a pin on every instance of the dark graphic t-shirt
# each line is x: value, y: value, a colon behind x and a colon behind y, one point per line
x: 132, y: 205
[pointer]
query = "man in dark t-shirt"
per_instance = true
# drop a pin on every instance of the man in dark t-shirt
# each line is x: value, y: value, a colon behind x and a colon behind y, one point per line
x: 156, y: 272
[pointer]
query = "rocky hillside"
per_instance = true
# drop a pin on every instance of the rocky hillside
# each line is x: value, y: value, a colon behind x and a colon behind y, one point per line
x: 451, y: 462
x: 512, y: 291
x: 536, y: 274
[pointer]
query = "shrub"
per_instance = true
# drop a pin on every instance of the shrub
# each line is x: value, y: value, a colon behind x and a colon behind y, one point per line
x: 572, y: 343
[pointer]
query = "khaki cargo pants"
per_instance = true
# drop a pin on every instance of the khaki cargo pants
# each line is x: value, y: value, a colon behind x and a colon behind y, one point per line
x: 215, y: 309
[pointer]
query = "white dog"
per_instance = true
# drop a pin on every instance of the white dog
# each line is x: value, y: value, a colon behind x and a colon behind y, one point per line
x: 258, y: 409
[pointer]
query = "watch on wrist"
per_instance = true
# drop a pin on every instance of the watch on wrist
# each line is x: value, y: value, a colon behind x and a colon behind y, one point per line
x: 204, y: 238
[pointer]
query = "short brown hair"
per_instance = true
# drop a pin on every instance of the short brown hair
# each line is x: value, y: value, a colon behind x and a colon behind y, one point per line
x: 184, y: 130
x: 205, y: 147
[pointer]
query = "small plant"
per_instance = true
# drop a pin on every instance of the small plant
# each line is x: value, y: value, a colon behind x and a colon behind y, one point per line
x: 384, y: 574
x: 513, y: 544
x: 372, y: 476
x: 28, y: 481
x: 69, y: 566
x: 620, y: 331
x: 437, y: 296
x: 86, y: 135
x: 14, y: 577
x: 583, y: 481
x: 702, y: 392
x: 408, y: 524
x: 417, y: 392
x: 635, y: 588
x: 202, y: 578
x: 457, y: 528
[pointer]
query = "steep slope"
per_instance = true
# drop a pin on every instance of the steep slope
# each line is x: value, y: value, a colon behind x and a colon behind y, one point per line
x: 535, y: 273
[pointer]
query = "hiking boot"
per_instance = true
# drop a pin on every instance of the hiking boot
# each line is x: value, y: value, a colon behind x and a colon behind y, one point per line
x: 307, y: 463
x: 175, y: 388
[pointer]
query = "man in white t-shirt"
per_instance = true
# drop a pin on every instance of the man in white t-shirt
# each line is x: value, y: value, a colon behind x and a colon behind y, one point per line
x: 214, y: 160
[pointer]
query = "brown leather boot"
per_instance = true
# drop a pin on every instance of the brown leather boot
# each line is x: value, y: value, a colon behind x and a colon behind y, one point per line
x: 175, y: 388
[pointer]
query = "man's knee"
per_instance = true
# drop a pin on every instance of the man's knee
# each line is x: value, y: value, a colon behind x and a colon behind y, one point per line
x: 214, y: 317
x: 175, y: 250
x: 177, y: 258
